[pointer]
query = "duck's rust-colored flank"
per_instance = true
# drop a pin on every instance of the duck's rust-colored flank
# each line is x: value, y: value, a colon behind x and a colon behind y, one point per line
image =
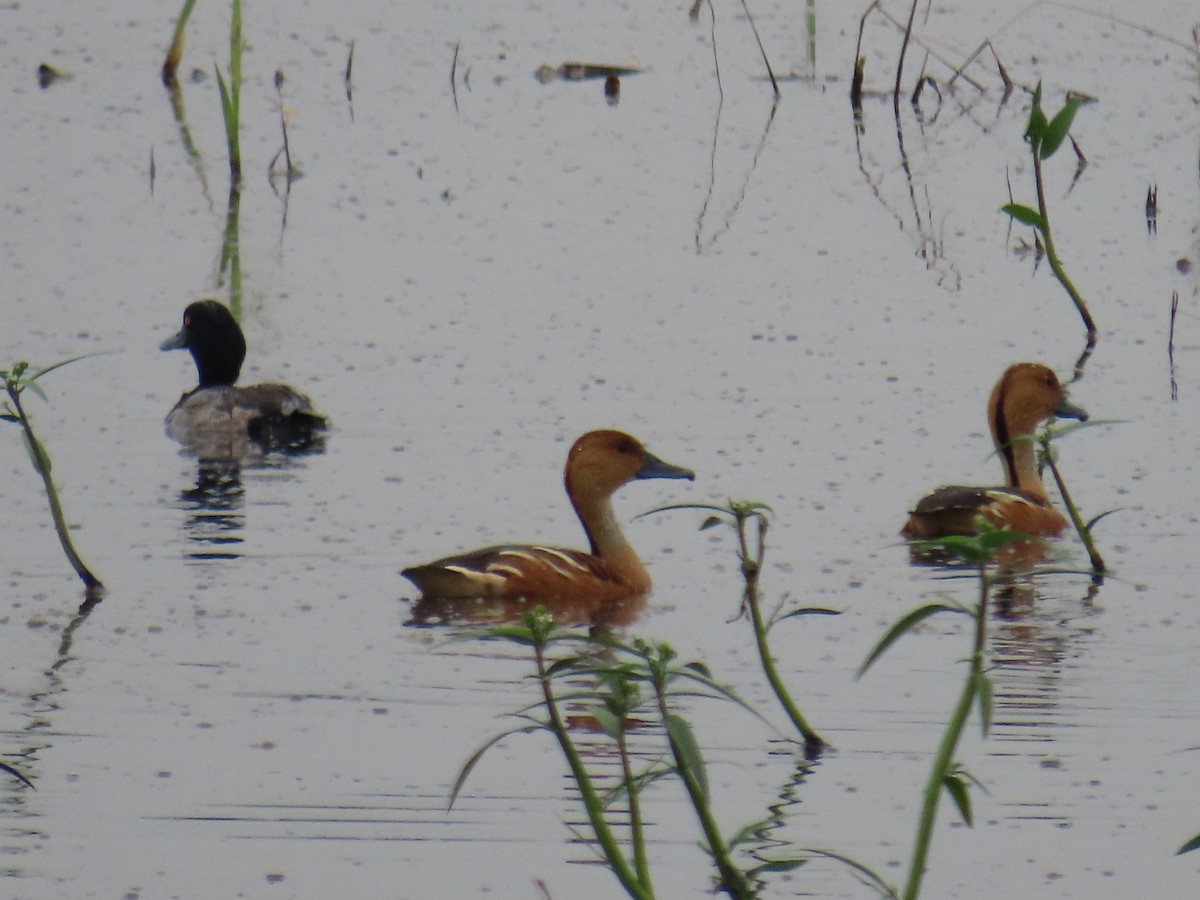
x: 1025, y: 395
x: 597, y: 465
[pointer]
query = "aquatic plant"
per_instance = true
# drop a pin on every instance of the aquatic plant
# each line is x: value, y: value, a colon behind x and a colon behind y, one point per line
x: 740, y: 514
x: 231, y: 96
x: 16, y: 382
x: 16, y: 774
x: 621, y: 684
x: 1044, y: 137
x: 945, y: 773
x: 170, y: 64
x: 1048, y: 458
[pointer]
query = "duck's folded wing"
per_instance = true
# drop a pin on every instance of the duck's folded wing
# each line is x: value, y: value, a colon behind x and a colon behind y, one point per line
x: 952, y: 510
x: 510, y: 570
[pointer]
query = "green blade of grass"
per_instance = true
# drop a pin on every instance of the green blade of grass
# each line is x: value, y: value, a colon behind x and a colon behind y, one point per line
x: 913, y: 619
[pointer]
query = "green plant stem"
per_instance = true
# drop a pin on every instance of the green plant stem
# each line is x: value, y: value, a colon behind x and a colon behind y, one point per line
x: 733, y: 879
x: 91, y: 583
x: 1052, y: 254
x: 636, y: 832
x: 591, y: 800
x: 751, y: 566
x: 945, y: 753
x: 231, y: 252
x: 1085, y: 533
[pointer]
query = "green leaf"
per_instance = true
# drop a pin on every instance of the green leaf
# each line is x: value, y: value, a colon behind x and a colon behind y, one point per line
x: 975, y: 548
x: 58, y: 365
x: 609, y: 723
x: 1095, y: 519
x: 778, y: 865
x: 1059, y: 126
x: 37, y: 389
x: 1025, y: 215
x: 1035, y: 131
x: 863, y: 870
x: 808, y: 611
x: 700, y: 669
x: 956, y: 787
x: 37, y: 453
x: 710, y: 522
x: 226, y: 103
x: 914, y: 618
x: 983, y: 691
x: 1191, y: 845
x: 671, y: 507
x: 465, y: 772
x: 683, y: 739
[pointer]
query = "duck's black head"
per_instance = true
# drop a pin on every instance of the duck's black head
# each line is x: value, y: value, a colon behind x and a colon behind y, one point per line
x: 215, y: 340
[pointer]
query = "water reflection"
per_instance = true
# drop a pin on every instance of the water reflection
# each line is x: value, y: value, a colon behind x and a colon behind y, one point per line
x: 22, y: 817
x: 215, y: 509
x: 215, y: 504
x: 567, y: 611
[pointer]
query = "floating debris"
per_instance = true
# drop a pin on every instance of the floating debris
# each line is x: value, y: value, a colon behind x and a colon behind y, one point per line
x: 577, y: 71
x: 47, y: 75
x: 612, y: 90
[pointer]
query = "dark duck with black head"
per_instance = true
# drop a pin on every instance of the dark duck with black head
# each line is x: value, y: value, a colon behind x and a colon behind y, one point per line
x: 219, y: 417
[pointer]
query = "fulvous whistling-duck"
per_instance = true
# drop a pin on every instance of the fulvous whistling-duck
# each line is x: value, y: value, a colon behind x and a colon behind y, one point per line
x: 1025, y: 395
x: 218, y: 414
x: 598, y: 464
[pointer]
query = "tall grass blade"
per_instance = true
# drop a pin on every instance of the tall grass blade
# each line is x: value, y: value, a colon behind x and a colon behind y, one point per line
x: 475, y: 757
x: 900, y: 628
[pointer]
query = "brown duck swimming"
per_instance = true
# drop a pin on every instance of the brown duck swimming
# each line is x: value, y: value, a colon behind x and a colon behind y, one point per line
x: 1025, y: 395
x: 597, y: 465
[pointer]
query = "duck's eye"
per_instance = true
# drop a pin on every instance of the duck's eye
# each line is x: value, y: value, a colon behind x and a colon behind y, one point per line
x: 1051, y: 380
x: 625, y: 447
x: 187, y: 320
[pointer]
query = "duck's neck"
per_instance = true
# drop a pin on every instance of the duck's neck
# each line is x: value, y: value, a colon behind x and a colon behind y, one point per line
x: 1015, y: 447
x: 217, y: 372
x: 606, y: 538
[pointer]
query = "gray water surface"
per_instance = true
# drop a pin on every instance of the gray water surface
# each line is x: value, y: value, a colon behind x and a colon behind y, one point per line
x: 810, y: 317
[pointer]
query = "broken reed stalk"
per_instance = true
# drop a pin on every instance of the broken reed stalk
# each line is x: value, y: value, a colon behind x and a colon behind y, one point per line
x: 912, y: 13
x: 762, y: 50
x: 170, y: 64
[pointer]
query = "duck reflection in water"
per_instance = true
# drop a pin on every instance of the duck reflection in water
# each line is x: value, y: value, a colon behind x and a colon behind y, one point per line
x: 606, y: 585
x: 215, y: 509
